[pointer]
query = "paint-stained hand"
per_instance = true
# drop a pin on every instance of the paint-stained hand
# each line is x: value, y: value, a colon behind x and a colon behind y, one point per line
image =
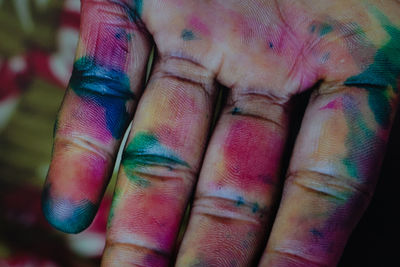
x: 264, y: 52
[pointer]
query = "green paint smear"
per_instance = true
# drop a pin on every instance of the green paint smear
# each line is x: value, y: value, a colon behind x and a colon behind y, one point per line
x: 187, y: 35
x: 115, y: 201
x: 361, y: 141
x: 382, y: 74
x: 145, y: 150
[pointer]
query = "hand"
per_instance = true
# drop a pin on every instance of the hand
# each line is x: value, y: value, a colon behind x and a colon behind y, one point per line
x: 264, y: 52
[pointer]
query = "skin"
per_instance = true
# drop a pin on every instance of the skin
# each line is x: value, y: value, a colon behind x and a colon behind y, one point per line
x: 264, y: 52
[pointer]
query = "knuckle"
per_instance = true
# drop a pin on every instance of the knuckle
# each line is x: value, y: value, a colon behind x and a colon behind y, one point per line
x: 258, y: 105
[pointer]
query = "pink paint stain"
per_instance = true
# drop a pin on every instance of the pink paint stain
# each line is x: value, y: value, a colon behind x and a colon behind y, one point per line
x: 253, y: 153
x: 199, y: 26
x: 155, y: 217
x: 85, y: 180
x: 333, y: 105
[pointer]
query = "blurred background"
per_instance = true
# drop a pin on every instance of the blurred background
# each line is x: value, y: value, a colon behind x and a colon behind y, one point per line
x: 37, y: 44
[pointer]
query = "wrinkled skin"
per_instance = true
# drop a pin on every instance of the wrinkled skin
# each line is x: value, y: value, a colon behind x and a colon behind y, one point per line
x: 264, y: 52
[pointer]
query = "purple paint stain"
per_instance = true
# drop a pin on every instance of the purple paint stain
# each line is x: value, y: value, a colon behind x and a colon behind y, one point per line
x: 112, y: 51
x: 155, y: 260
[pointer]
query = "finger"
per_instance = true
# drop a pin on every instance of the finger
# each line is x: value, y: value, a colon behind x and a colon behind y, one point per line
x: 238, y: 184
x: 108, y: 75
x: 160, y: 164
x: 331, y: 176
x: 337, y: 158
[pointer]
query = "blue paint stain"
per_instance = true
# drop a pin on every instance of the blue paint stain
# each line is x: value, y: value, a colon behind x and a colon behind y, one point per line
x: 313, y: 28
x: 65, y: 215
x: 271, y: 45
x: 107, y: 87
x: 187, y: 35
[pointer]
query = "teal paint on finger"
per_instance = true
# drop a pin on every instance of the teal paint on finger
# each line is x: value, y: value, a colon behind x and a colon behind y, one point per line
x: 65, y: 215
x: 235, y: 111
x: 363, y: 143
x: 255, y: 207
x: 145, y: 150
x: 138, y: 7
x: 108, y: 87
x: 382, y: 75
x: 325, y: 29
x: 321, y: 28
x: 239, y: 202
x: 187, y: 35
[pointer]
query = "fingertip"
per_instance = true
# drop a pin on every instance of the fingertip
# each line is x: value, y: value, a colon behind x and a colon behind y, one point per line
x: 66, y: 215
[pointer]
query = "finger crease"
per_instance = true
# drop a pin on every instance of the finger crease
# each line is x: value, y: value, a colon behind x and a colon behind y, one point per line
x: 339, y: 187
x: 138, y: 247
x: 86, y: 144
